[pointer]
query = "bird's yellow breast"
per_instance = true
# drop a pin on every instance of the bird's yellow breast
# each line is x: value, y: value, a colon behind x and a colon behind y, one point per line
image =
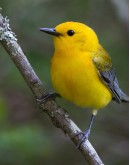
x: 75, y: 78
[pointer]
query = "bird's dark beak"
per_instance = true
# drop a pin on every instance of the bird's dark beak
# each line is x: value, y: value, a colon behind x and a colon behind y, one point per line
x: 51, y: 31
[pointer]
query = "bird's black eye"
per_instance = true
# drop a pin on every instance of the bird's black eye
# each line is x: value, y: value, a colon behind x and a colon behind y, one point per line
x: 70, y: 32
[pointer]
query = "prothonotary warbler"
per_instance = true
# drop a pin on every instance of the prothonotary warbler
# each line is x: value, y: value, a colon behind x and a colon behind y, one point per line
x: 81, y: 69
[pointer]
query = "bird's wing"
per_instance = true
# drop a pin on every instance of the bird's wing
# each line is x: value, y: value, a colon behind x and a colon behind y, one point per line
x: 104, y: 66
x: 109, y: 78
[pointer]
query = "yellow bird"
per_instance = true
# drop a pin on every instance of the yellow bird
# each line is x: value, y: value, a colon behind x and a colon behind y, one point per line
x: 81, y: 69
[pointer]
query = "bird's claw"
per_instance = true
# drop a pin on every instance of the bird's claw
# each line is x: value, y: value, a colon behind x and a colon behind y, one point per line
x: 46, y: 97
x: 85, y: 136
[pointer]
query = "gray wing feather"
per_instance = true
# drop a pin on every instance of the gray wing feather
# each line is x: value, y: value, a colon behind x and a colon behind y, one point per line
x: 109, y: 78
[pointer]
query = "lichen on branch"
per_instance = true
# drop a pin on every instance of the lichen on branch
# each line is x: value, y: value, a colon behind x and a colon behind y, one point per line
x: 5, y: 30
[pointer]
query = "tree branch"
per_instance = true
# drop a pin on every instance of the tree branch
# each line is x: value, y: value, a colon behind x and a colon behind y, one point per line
x: 58, y: 115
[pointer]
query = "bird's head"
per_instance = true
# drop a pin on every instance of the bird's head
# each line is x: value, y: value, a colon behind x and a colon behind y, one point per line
x: 73, y: 35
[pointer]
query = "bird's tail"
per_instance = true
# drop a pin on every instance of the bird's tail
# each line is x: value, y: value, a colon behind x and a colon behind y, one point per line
x: 124, y: 97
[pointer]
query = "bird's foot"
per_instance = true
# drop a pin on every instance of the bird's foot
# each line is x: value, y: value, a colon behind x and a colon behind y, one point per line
x: 85, y: 136
x: 44, y: 98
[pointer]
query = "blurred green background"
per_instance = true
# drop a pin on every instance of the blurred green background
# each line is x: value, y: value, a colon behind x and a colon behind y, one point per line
x: 27, y: 136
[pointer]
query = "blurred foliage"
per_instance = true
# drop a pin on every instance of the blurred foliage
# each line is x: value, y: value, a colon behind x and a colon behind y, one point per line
x: 24, y: 145
x: 27, y: 136
x: 3, y: 111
